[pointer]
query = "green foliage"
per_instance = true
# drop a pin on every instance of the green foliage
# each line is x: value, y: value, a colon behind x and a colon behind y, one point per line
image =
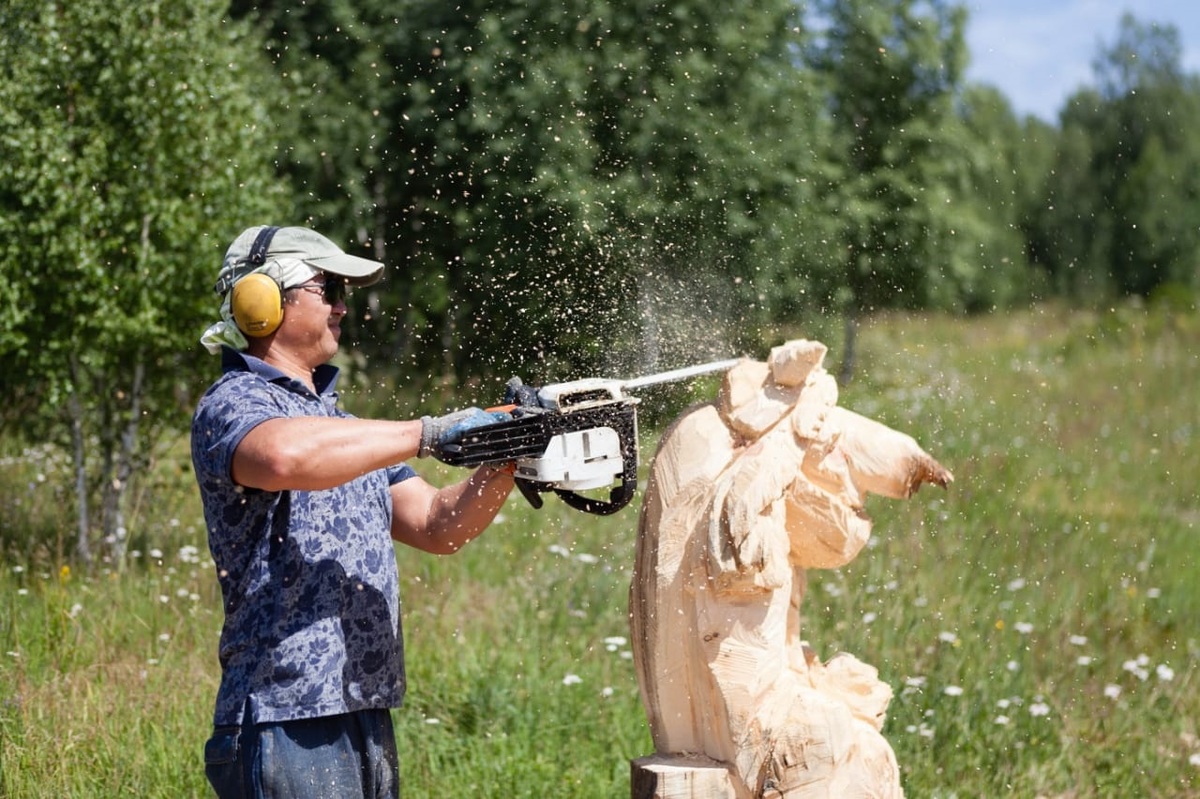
x: 131, y: 140
x: 1006, y: 164
x: 560, y: 176
x: 1127, y: 176
x: 917, y: 194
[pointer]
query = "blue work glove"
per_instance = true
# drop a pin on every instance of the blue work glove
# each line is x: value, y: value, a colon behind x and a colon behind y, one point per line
x: 437, y: 432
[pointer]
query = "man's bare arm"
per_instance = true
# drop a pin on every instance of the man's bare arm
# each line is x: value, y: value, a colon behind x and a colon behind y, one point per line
x: 442, y: 520
x: 315, y: 453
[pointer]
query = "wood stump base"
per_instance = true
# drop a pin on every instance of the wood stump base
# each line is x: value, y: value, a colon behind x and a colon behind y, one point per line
x: 679, y: 777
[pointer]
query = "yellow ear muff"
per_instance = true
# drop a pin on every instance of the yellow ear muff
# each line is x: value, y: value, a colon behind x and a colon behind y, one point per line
x: 257, y: 305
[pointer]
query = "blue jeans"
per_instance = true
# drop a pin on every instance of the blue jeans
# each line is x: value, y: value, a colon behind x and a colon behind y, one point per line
x: 335, y: 757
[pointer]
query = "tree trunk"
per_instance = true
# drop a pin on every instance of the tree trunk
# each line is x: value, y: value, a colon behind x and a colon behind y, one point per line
x: 116, y: 489
x: 849, y: 348
x: 75, y: 409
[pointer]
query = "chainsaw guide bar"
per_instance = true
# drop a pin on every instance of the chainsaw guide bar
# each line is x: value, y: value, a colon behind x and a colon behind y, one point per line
x: 568, y: 437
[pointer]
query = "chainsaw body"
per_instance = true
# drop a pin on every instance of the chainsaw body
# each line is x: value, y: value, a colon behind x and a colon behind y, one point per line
x: 564, y: 438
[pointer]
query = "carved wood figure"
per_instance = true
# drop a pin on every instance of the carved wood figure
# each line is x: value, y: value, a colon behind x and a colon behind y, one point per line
x: 745, y: 494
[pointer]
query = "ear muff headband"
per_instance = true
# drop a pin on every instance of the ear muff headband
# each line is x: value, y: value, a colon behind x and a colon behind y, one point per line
x: 257, y: 299
x: 262, y: 245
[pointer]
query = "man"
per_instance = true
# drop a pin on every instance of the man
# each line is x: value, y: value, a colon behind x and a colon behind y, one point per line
x: 302, y: 502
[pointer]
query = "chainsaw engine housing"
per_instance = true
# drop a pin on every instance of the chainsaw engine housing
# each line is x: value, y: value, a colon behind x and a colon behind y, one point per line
x: 565, y: 438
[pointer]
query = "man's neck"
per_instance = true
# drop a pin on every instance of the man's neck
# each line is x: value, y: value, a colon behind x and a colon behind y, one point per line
x: 288, y: 363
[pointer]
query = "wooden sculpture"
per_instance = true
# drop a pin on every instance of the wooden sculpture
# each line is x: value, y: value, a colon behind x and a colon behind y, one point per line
x: 745, y: 494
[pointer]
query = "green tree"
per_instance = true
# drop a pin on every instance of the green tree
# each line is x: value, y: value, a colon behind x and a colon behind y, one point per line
x: 547, y: 170
x: 1007, y: 164
x: 1126, y: 183
x: 330, y: 122
x: 912, y: 232
x: 134, y: 150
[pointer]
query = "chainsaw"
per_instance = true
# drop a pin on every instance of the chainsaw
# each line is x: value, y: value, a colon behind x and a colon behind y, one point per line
x: 569, y: 437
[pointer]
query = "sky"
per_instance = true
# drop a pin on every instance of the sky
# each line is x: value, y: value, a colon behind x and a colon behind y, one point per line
x: 1038, y: 52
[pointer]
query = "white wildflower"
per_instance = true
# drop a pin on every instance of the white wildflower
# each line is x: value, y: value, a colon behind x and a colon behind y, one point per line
x: 1135, y: 668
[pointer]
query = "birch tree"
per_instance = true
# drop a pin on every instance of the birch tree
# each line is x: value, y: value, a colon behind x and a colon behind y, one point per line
x: 134, y: 149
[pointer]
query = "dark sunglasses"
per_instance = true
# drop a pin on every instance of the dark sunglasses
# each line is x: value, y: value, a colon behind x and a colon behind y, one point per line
x: 333, y: 290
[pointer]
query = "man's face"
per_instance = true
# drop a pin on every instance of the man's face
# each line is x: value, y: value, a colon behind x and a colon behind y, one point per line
x: 312, y: 318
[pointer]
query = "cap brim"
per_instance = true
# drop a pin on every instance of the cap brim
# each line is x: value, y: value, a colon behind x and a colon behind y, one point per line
x: 357, y: 271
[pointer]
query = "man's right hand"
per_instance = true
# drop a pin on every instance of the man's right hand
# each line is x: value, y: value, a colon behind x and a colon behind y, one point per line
x: 437, y: 432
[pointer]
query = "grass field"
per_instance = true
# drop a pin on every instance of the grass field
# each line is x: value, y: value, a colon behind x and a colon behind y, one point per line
x: 1039, y: 622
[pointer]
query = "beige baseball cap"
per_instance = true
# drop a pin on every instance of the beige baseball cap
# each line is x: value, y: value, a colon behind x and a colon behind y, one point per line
x: 260, y: 245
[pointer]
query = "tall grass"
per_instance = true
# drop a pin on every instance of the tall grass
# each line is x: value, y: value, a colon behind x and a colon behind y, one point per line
x: 1039, y: 622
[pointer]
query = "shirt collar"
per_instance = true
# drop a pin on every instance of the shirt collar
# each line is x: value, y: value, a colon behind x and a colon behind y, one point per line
x: 325, y: 376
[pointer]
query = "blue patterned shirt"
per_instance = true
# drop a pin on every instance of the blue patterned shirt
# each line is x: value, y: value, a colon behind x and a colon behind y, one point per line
x: 308, y: 578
